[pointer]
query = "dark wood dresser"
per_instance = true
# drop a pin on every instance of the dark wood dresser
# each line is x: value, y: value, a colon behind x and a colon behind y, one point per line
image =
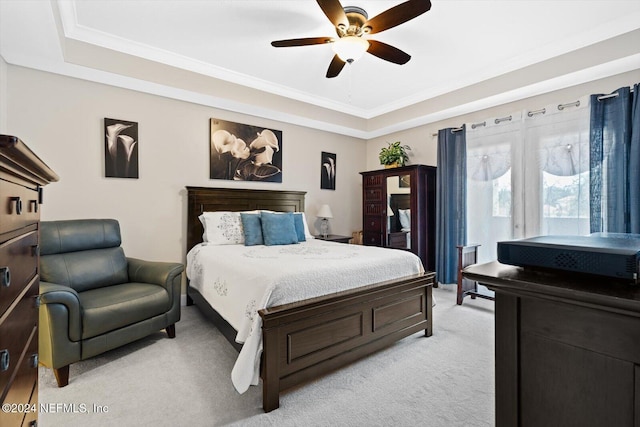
x: 22, y: 178
x: 567, y: 347
x: 410, y: 188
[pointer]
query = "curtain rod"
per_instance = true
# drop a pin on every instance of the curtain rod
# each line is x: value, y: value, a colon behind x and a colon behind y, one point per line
x: 611, y: 95
x: 532, y: 113
x: 452, y: 130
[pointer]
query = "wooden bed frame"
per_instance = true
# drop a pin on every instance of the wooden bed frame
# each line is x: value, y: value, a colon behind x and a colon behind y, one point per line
x: 307, y: 339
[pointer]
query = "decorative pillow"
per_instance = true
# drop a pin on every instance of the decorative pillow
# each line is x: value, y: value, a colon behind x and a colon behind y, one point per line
x: 252, y: 228
x: 278, y: 228
x: 405, y: 218
x: 299, y: 224
x: 222, y: 228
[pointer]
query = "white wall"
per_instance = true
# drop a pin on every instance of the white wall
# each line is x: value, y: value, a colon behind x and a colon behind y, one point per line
x: 3, y: 95
x: 61, y: 120
x: 424, y: 145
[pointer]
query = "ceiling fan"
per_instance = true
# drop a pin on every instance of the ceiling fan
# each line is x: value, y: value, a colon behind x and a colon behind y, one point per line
x: 352, y: 23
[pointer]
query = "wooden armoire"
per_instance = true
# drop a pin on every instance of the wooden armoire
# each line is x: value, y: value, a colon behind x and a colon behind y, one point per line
x: 390, y: 195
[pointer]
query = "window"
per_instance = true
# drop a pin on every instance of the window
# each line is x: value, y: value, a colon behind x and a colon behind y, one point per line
x: 528, y: 176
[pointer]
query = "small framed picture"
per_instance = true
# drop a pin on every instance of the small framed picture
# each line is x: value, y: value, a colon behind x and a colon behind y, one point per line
x: 328, y: 171
x: 120, y: 148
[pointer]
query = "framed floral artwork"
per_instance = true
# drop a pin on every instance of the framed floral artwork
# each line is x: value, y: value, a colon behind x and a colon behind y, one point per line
x: 328, y: 171
x: 120, y: 149
x: 243, y: 152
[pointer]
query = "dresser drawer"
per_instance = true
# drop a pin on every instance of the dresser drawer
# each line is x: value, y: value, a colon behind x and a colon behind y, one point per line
x: 373, y: 180
x: 373, y: 194
x: 372, y: 223
x: 20, y: 256
x: 17, y: 327
x: 19, y: 206
x: 370, y: 238
x: 21, y: 394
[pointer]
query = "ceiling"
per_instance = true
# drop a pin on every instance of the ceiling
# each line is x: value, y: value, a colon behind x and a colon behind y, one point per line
x: 465, y: 55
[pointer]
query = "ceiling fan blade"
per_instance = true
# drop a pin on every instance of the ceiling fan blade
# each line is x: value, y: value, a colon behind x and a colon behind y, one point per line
x: 397, y: 15
x: 301, y: 42
x: 334, y: 11
x: 388, y: 52
x: 335, y: 67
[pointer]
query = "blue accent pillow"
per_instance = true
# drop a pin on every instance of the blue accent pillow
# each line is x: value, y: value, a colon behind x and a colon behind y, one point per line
x: 252, y: 229
x: 278, y: 228
x: 298, y: 222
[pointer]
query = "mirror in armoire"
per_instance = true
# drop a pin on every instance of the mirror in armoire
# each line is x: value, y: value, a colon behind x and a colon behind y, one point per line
x: 399, y: 211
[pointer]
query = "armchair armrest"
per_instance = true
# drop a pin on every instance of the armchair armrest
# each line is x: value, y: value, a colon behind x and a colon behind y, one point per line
x: 158, y: 273
x: 52, y: 293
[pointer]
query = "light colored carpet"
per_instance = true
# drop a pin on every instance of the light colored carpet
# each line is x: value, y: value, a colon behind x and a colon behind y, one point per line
x: 445, y: 380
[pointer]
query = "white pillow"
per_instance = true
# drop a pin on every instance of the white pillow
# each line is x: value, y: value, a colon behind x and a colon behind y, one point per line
x: 307, y: 233
x: 222, y: 228
x: 405, y: 218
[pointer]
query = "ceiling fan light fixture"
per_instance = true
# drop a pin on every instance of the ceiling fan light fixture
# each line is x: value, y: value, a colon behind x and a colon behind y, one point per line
x: 350, y: 48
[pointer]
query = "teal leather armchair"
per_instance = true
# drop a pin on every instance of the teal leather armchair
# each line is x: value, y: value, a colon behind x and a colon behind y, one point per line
x: 93, y: 298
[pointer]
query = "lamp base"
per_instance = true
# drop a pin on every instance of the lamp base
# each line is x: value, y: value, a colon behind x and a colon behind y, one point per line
x: 324, y: 228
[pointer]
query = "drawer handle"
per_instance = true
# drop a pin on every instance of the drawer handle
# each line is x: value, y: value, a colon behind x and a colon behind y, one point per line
x: 18, y: 202
x: 35, y: 250
x: 4, y: 360
x: 5, y: 277
x: 34, y: 205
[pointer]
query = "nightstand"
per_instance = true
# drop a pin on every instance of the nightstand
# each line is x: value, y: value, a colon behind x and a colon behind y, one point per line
x: 398, y: 239
x: 335, y: 238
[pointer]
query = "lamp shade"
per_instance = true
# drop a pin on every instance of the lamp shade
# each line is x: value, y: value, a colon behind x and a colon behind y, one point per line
x: 389, y: 211
x: 350, y: 48
x: 324, y: 212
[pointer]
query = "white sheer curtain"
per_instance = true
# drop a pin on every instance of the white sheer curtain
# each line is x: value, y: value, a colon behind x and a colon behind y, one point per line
x: 528, y: 175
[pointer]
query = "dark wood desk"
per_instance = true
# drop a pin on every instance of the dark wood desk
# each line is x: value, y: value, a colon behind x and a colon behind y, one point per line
x: 567, y: 348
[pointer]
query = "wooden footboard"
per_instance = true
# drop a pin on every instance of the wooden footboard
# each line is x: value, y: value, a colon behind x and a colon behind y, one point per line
x: 304, y: 340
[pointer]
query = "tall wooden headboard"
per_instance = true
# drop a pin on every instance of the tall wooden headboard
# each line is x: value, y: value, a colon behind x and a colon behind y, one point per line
x: 204, y: 199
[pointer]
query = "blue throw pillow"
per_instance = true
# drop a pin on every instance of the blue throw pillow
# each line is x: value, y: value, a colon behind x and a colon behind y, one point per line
x: 278, y: 228
x: 299, y: 225
x: 252, y: 229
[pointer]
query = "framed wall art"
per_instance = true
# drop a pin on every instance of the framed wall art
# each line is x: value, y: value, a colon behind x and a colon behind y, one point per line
x: 328, y: 171
x: 120, y: 149
x: 244, y: 152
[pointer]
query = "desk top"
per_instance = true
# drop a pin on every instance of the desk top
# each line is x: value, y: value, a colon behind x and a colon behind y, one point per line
x: 574, y: 287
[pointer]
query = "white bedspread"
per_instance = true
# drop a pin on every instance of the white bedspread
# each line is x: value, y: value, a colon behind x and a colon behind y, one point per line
x: 239, y: 280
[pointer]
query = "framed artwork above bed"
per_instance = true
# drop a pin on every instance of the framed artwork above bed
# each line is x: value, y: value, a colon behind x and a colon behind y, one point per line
x: 242, y: 152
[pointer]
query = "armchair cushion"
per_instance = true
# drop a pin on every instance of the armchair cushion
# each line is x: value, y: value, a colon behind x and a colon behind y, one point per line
x: 86, y: 270
x: 78, y: 235
x: 113, y: 307
x: 82, y: 254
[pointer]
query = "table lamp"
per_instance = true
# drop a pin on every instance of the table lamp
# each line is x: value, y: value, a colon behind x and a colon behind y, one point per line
x: 324, y: 213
